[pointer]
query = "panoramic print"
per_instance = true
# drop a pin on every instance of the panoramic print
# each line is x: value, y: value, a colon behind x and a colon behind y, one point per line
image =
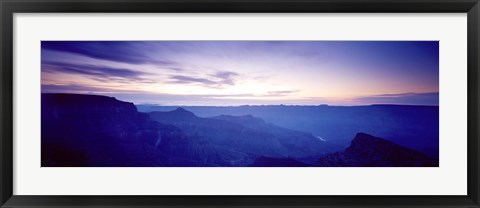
x: 240, y: 104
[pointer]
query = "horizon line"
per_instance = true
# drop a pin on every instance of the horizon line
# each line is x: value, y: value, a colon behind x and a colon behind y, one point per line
x: 247, y: 105
x: 287, y: 105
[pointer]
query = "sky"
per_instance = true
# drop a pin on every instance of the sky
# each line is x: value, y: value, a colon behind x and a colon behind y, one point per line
x: 230, y: 73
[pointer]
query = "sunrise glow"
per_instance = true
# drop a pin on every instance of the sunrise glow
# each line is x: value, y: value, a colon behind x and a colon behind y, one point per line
x: 246, y: 72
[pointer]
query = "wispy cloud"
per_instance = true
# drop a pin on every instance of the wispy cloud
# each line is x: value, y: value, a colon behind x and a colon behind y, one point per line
x: 117, y: 51
x: 186, y: 79
x: 282, y: 92
x: 176, y: 69
x: 226, y: 77
x: 216, y: 80
x: 70, y: 88
x: 101, y: 73
x: 410, y: 98
x: 75, y: 88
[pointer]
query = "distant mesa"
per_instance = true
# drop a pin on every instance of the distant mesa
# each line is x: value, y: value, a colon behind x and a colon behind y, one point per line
x: 182, y: 113
x: 243, y: 120
x: 180, y: 109
x: 177, y: 115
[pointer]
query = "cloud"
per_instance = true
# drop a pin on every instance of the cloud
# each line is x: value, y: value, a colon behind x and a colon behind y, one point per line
x: 215, y: 80
x: 101, y: 73
x: 226, y: 77
x: 74, y: 88
x: 186, y: 79
x: 141, y: 96
x: 411, y: 98
x: 69, y: 88
x: 119, y: 51
x: 242, y: 95
x: 189, y: 100
x: 282, y: 92
x: 176, y: 69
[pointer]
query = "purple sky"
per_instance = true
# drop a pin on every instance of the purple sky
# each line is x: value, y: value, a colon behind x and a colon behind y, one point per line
x: 245, y: 72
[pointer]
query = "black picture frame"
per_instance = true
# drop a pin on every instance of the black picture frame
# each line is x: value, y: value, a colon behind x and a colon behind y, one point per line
x: 10, y: 7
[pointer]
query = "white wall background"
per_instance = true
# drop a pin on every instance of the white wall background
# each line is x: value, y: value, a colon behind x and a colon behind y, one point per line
x: 448, y: 179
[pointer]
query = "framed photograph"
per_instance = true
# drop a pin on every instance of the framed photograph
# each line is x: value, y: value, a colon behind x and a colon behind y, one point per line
x: 265, y: 103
